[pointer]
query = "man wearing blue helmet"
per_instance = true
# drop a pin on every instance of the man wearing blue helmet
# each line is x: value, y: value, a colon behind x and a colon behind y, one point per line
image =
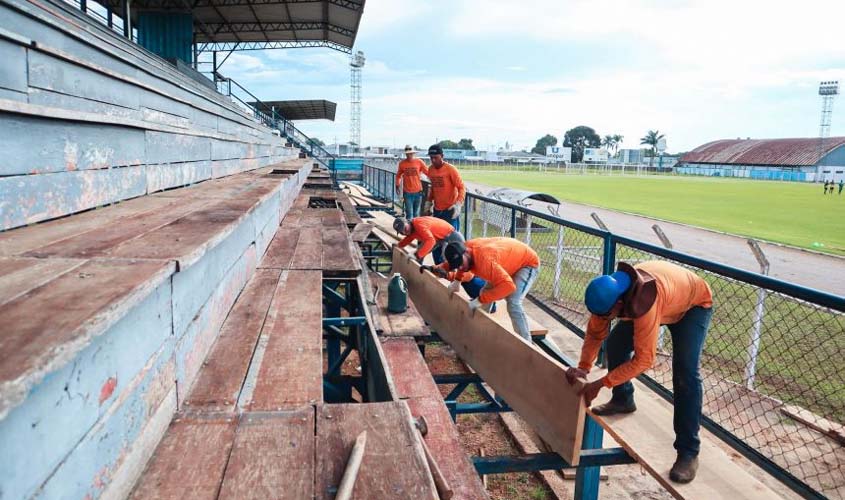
x: 644, y: 297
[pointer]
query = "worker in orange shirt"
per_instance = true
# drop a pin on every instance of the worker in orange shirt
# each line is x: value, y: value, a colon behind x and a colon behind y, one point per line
x: 447, y: 191
x: 431, y: 232
x: 509, y: 266
x: 644, y: 297
x: 408, y: 181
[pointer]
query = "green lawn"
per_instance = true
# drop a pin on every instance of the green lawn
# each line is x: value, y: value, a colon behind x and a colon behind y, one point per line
x: 793, y: 213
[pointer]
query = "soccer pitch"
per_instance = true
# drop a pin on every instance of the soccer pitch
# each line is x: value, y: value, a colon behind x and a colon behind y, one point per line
x: 793, y: 213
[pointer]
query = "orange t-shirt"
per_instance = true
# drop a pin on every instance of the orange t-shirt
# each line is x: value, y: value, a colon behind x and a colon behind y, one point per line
x: 447, y: 187
x: 678, y: 291
x: 429, y: 230
x: 408, y: 173
x: 495, y: 260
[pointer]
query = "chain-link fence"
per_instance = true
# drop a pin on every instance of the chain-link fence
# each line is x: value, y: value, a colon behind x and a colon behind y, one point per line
x: 773, y: 382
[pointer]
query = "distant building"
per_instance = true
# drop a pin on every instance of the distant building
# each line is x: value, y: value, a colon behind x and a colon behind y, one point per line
x: 802, y: 159
x: 632, y: 156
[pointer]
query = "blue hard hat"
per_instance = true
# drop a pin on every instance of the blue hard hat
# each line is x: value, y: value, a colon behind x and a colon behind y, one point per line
x: 603, y: 292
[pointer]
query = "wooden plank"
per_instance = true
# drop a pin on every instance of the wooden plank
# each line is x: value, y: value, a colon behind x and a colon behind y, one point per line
x: 19, y: 275
x: 280, y: 252
x: 337, y: 256
x: 818, y: 423
x: 647, y: 435
x: 291, y: 373
x: 82, y: 305
x: 410, y: 372
x: 393, y: 465
x: 309, y: 249
x: 273, y: 457
x: 223, y: 372
x: 361, y: 232
x: 514, y: 368
x: 445, y: 444
x: 190, y: 460
x: 98, y: 242
x: 405, y: 324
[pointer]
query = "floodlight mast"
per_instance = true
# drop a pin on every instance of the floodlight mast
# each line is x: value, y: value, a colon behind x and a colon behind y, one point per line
x: 356, y: 63
x: 827, y: 91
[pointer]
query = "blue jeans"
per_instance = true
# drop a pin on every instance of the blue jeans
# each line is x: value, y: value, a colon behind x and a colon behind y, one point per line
x: 412, y: 205
x: 688, y: 336
x: 447, y: 216
x: 523, y: 279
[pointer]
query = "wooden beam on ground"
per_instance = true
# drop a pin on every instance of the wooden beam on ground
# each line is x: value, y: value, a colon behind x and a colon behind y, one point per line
x: 530, y: 381
x: 393, y: 466
x: 647, y: 435
x: 816, y: 422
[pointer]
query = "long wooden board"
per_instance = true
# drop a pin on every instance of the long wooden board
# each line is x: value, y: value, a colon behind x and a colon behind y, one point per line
x: 530, y: 381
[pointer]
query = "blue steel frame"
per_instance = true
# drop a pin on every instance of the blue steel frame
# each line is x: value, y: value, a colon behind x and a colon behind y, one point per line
x: 372, y: 177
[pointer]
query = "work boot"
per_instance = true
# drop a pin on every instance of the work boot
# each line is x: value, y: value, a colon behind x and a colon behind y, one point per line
x: 684, y: 469
x: 614, y: 407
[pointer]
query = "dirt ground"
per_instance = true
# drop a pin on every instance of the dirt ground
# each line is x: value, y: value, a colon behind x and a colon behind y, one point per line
x: 486, y: 432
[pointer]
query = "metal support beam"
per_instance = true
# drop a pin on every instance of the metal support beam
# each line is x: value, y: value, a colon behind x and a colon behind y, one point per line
x: 349, y: 321
x: 534, y: 462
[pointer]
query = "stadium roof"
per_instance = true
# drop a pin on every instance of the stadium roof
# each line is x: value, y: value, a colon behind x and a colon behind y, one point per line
x: 317, y: 109
x: 265, y: 24
x: 763, y: 151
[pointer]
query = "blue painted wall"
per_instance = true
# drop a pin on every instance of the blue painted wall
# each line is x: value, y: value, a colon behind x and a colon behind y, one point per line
x: 167, y: 34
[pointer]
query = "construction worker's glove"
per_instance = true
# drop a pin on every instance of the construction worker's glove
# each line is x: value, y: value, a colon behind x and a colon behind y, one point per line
x: 454, y: 286
x: 434, y: 270
x: 427, y: 208
x: 474, y: 304
x: 456, y: 210
x: 418, y: 257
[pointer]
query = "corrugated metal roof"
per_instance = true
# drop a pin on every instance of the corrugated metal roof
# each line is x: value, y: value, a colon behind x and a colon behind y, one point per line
x: 312, y: 109
x: 804, y: 151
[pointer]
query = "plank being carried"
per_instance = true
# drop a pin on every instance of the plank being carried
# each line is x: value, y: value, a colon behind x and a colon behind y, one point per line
x: 530, y: 381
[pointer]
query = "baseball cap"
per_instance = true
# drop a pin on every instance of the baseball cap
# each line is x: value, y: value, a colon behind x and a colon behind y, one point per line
x: 603, y: 292
x: 454, y: 254
x: 435, y: 149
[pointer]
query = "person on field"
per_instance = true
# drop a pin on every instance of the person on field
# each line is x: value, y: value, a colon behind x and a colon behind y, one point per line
x: 643, y: 297
x: 408, y: 181
x: 433, y: 235
x: 509, y: 267
x: 841, y: 185
x: 447, y: 191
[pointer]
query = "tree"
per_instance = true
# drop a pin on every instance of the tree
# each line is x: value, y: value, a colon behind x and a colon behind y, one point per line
x: 651, y: 139
x: 607, y: 142
x: 579, y: 138
x: 317, y: 142
x: 447, y: 144
x: 617, y: 141
x: 543, y: 142
x: 466, y: 144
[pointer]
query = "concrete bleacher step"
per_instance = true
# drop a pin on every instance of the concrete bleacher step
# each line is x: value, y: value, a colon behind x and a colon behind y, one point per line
x: 108, y: 342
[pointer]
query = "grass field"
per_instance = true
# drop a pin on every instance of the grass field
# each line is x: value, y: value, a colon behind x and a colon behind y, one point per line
x: 793, y: 213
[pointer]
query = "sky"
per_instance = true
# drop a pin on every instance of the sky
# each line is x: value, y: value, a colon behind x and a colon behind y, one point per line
x: 500, y: 71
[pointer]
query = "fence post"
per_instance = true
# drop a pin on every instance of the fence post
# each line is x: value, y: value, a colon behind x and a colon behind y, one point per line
x: 467, y: 219
x: 513, y: 223
x: 483, y: 219
x: 668, y: 244
x: 759, y: 314
x: 528, y: 225
x: 558, y: 255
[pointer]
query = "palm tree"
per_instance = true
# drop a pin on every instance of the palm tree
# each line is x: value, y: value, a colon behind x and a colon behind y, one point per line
x: 607, y: 142
x: 651, y: 139
x: 617, y: 141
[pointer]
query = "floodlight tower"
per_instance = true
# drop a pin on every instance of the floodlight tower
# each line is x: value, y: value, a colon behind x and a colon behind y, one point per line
x: 828, y: 92
x: 356, y: 63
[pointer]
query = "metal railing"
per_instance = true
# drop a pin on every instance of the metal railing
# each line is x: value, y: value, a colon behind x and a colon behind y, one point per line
x: 773, y: 385
x: 267, y: 115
